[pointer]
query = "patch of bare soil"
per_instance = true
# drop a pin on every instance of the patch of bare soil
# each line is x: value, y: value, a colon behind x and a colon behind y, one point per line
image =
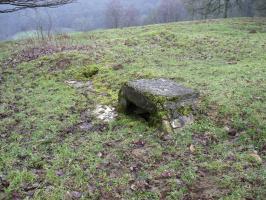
x: 206, y: 187
x: 32, y: 53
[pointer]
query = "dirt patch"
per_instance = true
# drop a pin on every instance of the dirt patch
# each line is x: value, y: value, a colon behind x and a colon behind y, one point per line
x: 62, y: 64
x: 32, y: 53
x: 206, y: 187
x: 204, y: 139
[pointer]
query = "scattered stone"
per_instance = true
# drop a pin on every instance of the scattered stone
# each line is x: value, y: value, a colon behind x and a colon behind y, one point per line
x: 178, y: 182
x: 159, y: 101
x: 192, y: 148
x: 105, y: 113
x: 80, y: 85
x: 226, y: 128
x: 167, y: 137
x: 167, y: 127
x: 176, y: 123
x: 86, y: 126
x: 100, y: 154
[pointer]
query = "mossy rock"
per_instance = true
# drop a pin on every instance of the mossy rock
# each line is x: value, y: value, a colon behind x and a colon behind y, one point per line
x: 157, y: 100
x: 86, y: 72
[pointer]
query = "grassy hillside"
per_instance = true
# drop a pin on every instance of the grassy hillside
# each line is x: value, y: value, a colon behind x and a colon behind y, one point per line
x: 45, y: 152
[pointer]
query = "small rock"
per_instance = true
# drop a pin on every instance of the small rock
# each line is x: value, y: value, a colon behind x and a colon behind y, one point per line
x: 167, y: 127
x: 85, y: 126
x: 176, y: 123
x: 78, y: 84
x: 105, y: 113
x: 178, y: 182
x: 186, y: 119
x: 133, y: 187
x: 167, y: 137
x: 226, y: 128
x: 100, y: 154
x: 192, y: 148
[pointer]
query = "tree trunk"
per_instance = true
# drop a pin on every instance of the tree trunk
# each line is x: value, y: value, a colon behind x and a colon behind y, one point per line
x: 226, y: 5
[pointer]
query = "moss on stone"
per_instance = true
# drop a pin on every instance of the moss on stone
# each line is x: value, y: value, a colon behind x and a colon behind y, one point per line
x: 86, y: 72
x: 184, y: 110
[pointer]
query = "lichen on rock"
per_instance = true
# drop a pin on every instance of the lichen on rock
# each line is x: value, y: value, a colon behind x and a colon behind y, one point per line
x: 162, y: 102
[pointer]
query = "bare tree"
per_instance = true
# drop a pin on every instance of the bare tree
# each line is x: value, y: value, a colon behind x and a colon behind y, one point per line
x: 261, y: 8
x: 191, y: 6
x: 15, y: 5
x: 169, y: 11
x: 222, y: 8
x: 114, y: 14
x: 131, y: 16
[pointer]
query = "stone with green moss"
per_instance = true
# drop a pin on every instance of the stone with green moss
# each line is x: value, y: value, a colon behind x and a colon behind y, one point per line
x: 87, y: 72
x: 158, y: 101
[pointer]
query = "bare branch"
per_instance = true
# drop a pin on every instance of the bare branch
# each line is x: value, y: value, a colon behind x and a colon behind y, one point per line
x: 23, y: 4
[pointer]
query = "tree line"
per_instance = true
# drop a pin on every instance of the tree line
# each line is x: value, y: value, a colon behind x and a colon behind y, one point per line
x: 85, y: 15
x: 116, y: 15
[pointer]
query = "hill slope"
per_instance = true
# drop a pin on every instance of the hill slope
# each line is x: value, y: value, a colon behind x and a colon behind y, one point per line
x: 52, y: 147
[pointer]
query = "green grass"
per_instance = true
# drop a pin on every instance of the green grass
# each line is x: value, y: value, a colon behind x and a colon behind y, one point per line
x: 44, y: 155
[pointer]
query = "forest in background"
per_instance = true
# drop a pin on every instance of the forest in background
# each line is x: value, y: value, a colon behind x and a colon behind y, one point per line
x: 84, y: 15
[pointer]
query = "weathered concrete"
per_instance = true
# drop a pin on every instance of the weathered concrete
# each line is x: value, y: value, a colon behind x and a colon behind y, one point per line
x: 159, y: 100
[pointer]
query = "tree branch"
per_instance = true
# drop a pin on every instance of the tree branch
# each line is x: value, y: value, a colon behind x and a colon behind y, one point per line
x: 23, y: 4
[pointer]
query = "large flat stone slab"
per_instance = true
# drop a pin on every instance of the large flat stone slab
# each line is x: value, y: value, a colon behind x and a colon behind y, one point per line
x: 161, y: 87
x: 158, y: 100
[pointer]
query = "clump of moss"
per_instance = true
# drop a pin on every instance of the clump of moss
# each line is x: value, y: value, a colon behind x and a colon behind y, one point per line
x: 185, y: 110
x: 86, y: 72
